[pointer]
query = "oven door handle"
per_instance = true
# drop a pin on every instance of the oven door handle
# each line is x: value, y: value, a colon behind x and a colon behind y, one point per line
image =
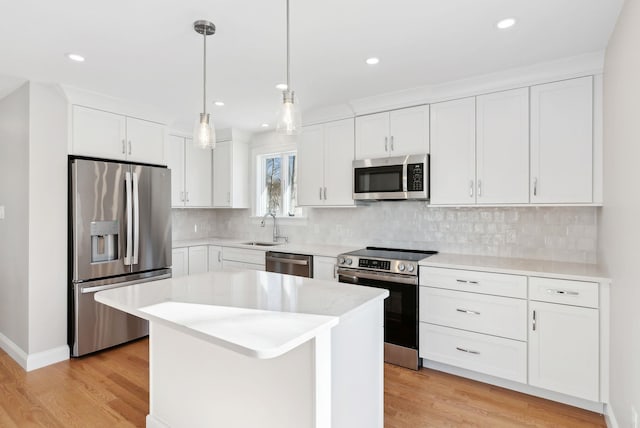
x: 377, y: 276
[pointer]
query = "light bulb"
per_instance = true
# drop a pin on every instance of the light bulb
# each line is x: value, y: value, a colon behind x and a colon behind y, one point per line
x: 289, y: 118
x: 204, y: 134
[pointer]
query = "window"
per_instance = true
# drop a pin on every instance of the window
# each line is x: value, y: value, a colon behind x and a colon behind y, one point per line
x: 277, y: 184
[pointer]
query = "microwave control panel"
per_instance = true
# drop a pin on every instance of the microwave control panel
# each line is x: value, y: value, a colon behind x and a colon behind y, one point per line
x: 415, y: 177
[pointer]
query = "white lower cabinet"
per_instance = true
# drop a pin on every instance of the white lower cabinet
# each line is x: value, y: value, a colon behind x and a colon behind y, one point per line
x: 241, y: 258
x: 325, y: 268
x: 198, y: 259
x: 215, y: 258
x: 495, y: 356
x: 180, y: 262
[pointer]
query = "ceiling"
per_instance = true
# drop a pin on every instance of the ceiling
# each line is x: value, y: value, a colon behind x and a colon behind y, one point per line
x: 146, y: 50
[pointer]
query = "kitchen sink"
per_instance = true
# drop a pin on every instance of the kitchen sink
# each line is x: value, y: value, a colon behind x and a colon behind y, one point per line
x: 261, y: 244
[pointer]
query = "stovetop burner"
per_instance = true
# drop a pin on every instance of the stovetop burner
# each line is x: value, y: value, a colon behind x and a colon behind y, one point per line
x: 388, y: 260
x: 392, y: 253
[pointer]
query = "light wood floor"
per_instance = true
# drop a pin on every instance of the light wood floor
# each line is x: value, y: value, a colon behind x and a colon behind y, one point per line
x: 111, y: 389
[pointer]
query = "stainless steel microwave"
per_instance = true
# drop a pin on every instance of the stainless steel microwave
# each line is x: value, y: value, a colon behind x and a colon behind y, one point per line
x: 396, y: 178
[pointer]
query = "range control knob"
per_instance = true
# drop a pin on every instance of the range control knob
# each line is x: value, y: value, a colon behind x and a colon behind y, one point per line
x: 349, y: 261
x: 410, y: 268
x: 401, y: 267
x: 341, y: 260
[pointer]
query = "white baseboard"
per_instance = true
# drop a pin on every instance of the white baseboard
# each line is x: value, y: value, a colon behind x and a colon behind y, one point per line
x: 610, y: 417
x: 36, y: 360
x: 153, y: 422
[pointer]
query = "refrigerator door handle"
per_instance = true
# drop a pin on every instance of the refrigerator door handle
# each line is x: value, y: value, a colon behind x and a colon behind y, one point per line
x: 136, y: 220
x: 127, y: 186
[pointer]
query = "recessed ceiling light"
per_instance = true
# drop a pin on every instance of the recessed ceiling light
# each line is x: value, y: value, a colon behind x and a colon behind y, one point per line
x: 219, y: 103
x: 281, y: 86
x: 373, y: 60
x: 506, y: 23
x: 75, y: 57
x: 265, y: 125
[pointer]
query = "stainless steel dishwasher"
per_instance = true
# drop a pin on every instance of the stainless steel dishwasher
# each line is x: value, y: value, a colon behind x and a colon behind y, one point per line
x: 290, y: 264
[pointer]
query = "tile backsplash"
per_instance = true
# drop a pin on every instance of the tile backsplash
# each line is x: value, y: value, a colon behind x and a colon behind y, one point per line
x: 550, y: 233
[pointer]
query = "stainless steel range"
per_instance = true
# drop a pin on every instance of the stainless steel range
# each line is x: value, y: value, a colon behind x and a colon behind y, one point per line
x: 395, y: 270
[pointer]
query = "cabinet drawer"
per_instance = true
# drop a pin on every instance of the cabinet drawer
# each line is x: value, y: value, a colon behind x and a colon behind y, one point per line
x: 499, y: 316
x: 255, y: 257
x: 495, y: 356
x: 477, y: 282
x: 577, y: 293
x: 228, y: 264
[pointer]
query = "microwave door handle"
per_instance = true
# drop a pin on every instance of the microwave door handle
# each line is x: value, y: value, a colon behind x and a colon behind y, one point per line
x: 127, y: 187
x: 136, y: 219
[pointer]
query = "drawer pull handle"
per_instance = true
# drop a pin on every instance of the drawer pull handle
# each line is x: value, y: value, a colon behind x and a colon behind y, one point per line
x: 468, y: 351
x: 462, y: 281
x: 467, y: 311
x: 564, y: 292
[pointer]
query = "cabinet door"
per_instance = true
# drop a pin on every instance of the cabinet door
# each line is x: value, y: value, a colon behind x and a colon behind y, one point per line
x: 564, y: 349
x: 180, y: 262
x: 215, y: 258
x: 502, y: 155
x: 372, y: 136
x: 98, y: 133
x: 409, y: 131
x: 562, y: 142
x: 338, y: 162
x: 311, y: 166
x: 145, y: 141
x: 453, y: 131
x: 324, y: 268
x: 175, y: 162
x: 197, y: 175
x: 222, y: 174
x: 198, y: 259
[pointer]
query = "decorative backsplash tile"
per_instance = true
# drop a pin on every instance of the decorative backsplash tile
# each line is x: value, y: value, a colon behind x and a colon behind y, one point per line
x: 550, y: 233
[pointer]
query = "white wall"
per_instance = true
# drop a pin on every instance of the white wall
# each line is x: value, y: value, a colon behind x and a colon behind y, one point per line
x: 47, y: 220
x: 620, y: 220
x: 14, y: 188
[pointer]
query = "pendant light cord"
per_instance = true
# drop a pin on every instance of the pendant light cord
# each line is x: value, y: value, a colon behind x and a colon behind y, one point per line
x: 288, y: 51
x: 204, y: 75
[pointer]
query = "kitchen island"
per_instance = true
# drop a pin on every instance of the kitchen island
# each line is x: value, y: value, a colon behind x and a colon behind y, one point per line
x: 248, y: 349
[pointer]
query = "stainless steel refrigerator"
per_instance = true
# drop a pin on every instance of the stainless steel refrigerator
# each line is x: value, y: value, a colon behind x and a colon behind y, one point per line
x: 120, y: 234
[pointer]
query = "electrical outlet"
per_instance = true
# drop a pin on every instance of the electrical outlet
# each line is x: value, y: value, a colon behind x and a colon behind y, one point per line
x: 634, y: 417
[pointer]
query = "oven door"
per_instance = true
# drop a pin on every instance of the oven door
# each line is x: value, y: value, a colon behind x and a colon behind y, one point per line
x: 400, y: 308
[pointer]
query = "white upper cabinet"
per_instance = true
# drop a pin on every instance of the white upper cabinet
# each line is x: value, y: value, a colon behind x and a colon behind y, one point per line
x: 394, y: 133
x: 325, y: 157
x: 102, y: 134
x: 231, y: 174
x: 453, y: 142
x: 562, y: 142
x: 190, y: 173
x: 502, y: 147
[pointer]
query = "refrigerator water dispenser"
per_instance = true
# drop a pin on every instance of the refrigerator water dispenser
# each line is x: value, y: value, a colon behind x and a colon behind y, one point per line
x: 104, y: 241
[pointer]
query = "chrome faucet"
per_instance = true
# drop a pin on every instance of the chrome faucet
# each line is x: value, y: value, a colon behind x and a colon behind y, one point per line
x: 276, y: 229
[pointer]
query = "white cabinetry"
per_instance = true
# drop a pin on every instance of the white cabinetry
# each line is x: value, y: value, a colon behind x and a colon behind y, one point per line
x: 215, y: 258
x: 563, y: 339
x: 562, y: 142
x: 325, y: 156
x: 480, y: 149
x: 102, y: 134
x: 190, y: 173
x: 325, y: 268
x: 198, y: 259
x: 394, y: 133
x: 180, y: 262
x: 231, y: 174
x: 241, y: 258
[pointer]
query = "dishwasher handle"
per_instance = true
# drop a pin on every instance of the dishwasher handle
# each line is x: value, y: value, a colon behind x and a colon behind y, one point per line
x: 288, y: 261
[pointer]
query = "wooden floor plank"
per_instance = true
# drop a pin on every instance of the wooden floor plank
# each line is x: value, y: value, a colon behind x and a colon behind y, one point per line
x: 111, y: 389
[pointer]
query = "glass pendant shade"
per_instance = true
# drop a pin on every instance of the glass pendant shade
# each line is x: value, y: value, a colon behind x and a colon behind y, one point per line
x: 289, y: 120
x: 204, y: 134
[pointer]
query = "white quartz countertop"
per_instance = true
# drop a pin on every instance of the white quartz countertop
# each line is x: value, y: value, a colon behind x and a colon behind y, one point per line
x: 309, y: 249
x: 561, y: 270
x: 257, y: 314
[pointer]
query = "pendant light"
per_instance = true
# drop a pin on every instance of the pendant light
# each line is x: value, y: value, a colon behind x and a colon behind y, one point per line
x: 204, y: 134
x: 289, y: 120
